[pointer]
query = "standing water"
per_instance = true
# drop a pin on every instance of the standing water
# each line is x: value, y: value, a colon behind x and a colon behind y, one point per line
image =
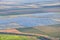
x: 31, y: 20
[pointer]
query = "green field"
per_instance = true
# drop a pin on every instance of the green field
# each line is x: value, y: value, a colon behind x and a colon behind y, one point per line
x: 15, y: 37
x: 51, y: 30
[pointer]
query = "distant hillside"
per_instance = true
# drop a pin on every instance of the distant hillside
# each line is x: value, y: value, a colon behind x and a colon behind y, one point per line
x: 29, y: 8
x: 51, y: 30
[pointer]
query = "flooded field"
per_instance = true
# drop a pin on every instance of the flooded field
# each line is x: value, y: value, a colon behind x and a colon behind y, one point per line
x: 29, y: 20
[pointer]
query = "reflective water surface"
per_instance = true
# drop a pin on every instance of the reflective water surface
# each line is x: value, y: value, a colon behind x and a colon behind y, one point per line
x: 38, y: 19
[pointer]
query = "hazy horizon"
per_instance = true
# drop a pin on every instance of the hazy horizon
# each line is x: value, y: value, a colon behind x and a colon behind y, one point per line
x: 27, y: 1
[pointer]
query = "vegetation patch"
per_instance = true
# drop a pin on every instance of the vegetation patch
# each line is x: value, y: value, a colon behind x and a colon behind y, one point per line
x: 15, y: 37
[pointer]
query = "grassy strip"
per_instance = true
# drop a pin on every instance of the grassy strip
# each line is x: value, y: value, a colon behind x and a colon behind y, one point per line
x: 15, y: 37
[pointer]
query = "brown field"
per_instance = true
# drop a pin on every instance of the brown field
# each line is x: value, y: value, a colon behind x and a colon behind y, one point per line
x: 10, y: 31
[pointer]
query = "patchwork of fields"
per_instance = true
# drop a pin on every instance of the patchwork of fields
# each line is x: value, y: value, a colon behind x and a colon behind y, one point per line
x: 29, y: 19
